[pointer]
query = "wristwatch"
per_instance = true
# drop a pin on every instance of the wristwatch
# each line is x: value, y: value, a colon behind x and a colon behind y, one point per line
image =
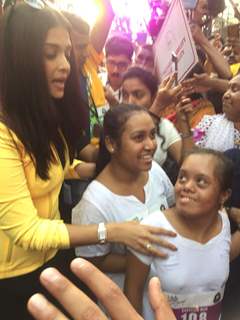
x: 102, y: 233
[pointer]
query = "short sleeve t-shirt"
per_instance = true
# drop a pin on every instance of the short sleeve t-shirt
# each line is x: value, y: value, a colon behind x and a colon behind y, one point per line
x: 170, y: 134
x: 99, y: 204
x: 194, y: 276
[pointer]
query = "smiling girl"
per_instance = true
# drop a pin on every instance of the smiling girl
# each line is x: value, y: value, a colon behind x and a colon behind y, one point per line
x: 129, y: 186
x: 194, y: 276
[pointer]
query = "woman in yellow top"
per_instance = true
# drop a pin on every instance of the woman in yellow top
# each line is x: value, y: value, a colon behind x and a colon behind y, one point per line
x: 39, y: 131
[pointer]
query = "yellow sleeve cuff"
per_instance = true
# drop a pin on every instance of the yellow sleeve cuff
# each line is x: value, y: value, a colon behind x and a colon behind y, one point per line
x: 71, y: 172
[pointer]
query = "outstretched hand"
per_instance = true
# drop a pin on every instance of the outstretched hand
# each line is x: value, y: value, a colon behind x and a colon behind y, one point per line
x: 167, y: 94
x: 79, y: 306
x: 184, y: 107
x: 199, y: 83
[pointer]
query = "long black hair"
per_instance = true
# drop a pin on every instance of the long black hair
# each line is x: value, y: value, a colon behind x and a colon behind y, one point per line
x: 113, y: 126
x: 27, y: 108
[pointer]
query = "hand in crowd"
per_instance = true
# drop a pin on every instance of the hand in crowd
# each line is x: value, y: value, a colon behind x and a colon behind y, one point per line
x: 199, y: 83
x: 167, y: 93
x: 79, y: 306
x: 184, y: 108
x: 141, y: 237
x: 110, y: 97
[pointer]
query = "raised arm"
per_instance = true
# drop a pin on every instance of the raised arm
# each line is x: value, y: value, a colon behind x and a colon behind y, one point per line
x: 219, y: 63
x: 201, y: 83
x: 102, y: 26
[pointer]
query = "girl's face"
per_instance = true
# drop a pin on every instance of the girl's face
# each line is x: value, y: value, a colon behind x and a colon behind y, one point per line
x: 135, y: 92
x: 231, y: 100
x: 138, y: 144
x: 57, y: 51
x: 197, y: 189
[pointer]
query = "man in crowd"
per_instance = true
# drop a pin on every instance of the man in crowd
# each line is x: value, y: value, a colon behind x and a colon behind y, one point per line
x: 119, y: 52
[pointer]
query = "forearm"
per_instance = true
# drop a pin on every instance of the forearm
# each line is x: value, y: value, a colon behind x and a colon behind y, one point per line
x: 175, y: 151
x: 88, y: 234
x: 185, y: 132
x: 135, y: 297
x: 101, y: 28
x: 156, y: 107
x: 219, y: 85
x: 219, y: 63
x: 113, y: 262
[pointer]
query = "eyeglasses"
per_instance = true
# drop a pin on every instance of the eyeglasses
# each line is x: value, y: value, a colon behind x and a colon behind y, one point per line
x: 120, y: 65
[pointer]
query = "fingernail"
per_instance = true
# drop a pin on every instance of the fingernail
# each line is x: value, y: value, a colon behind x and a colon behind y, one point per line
x: 52, y: 276
x: 38, y: 302
x: 78, y: 263
x: 157, y: 281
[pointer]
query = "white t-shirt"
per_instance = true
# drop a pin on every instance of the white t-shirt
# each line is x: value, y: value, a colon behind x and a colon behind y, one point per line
x: 171, y: 135
x: 99, y: 204
x: 194, y: 276
x: 217, y: 132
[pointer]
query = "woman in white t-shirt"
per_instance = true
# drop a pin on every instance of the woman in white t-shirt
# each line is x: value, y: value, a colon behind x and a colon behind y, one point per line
x: 194, y: 276
x: 140, y: 87
x: 128, y: 187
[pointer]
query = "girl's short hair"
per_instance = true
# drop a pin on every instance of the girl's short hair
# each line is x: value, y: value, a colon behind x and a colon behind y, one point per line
x: 224, y: 167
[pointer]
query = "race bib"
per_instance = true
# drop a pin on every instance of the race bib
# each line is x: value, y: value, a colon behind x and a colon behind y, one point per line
x: 201, y: 306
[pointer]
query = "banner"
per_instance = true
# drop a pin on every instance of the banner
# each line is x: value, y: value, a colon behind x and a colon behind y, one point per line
x: 175, y: 42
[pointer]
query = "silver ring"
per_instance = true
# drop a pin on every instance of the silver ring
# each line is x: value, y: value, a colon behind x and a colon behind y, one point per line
x: 148, y: 246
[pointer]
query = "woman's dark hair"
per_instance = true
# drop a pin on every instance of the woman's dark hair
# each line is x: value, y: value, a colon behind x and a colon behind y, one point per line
x: 27, y: 108
x: 113, y: 127
x: 151, y: 82
x: 224, y: 167
x: 146, y: 77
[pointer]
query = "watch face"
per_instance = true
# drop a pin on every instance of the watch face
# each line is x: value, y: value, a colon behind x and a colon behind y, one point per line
x: 102, y: 233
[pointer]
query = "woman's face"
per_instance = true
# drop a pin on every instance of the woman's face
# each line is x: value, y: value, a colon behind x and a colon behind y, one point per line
x: 231, y: 100
x: 137, y: 143
x: 135, y: 92
x: 197, y: 189
x: 57, y: 51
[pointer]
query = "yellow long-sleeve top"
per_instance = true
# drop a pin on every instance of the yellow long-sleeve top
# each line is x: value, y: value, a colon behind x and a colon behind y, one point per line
x: 30, y: 227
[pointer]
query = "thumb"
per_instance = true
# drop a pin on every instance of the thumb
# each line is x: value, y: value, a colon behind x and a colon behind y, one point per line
x: 159, y: 302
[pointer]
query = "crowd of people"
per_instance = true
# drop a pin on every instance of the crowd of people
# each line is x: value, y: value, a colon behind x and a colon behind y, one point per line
x: 102, y: 160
